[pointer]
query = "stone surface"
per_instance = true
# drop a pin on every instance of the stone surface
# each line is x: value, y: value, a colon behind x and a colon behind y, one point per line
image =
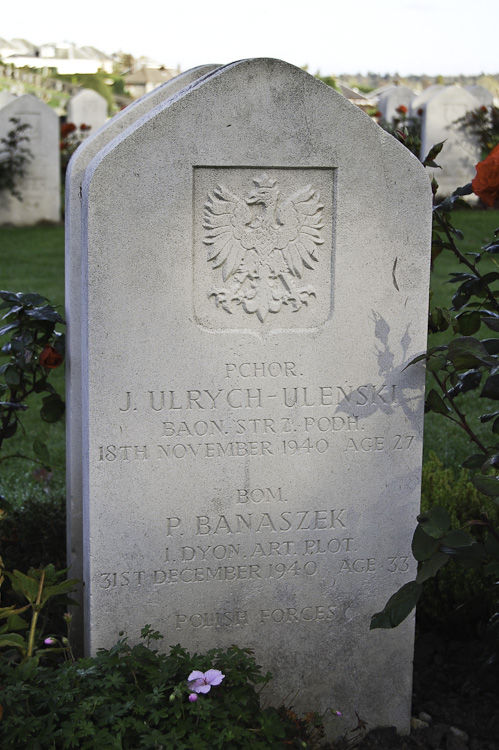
x: 6, y: 97
x: 256, y: 273
x: 392, y: 98
x: 40, y: 186
x: 74, y: 177
x: 87, y: 107
x: 483, y: 96
x: 460, y: 152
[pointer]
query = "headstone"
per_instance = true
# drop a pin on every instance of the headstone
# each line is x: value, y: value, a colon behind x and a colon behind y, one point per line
x: 418, y: 102
x: 74, y: 178
x: 87, y: 107
x: 40, y: 186
x: 460, y: 152
x: 394, y: 97
x: 483, y: 96
x: 256, y: 254
x: 6, y: 97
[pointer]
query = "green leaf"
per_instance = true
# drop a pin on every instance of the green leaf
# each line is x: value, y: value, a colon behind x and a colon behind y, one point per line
x: 467, y: 352
x: 492, y: 345
x: 436, y: 361
x: 491, y: 387
x: 469, y: 322
x: 24, y: 584
x: 457, y: 538
x: 435, y: 403
x: 12, y: 376
x: 488, y: 417
x: 487, y: 485
x: 475, y: 461
x: 41, y: 451
x: 13, y: 639
x: 423, y: 546
x: 432, y: 566
x: 467, y: 557
x: 398, y: 607
x: 493, y: 249
x: 435, y: 522
x: 492, y: 322
x: 53, y: 408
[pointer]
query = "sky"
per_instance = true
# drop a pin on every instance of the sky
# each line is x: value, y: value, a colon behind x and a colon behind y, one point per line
x: 433, y: 37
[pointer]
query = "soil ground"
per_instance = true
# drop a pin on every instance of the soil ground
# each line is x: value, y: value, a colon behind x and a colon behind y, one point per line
x: 455, y: 701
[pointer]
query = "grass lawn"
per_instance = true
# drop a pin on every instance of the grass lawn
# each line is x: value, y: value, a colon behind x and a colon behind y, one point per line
x: 32, y: 260
x: 447, y: 440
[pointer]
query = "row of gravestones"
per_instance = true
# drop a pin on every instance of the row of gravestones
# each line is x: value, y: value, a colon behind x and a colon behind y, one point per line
x: 439, y: 107
x: 40, y: 187
x: 247, y: 262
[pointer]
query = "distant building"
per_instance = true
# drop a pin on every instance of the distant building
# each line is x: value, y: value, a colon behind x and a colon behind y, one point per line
x: 65, y: 57
x: 146, y: 79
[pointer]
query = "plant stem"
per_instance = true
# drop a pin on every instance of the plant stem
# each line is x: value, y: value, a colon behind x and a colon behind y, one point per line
x: 462, y: 418
x: 34, y: 617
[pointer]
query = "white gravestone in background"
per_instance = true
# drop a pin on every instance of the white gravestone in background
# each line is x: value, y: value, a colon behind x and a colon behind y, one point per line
x: 87, y: 107
x: 41, y: 185
x: 460, y: 152
x: 74, y: 177
x: 255, y: 283
x: 392, y: 99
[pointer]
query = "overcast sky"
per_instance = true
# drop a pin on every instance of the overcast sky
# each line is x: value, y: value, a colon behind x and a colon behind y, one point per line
x: 446, y: 37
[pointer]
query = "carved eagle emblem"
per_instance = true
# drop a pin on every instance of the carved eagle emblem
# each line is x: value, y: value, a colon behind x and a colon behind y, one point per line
x: 262, y: 243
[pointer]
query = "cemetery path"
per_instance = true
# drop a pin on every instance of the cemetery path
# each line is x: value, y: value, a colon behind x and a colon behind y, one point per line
x: 458, y: 703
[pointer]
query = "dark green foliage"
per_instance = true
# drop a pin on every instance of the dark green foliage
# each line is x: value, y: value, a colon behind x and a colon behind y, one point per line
x: 135, y: 697
x: 481, y: 125
x: 34, y: 534
x: 14, y: 157
x: 468, y: 363
x: 33, y: 349
x: 457, y: 597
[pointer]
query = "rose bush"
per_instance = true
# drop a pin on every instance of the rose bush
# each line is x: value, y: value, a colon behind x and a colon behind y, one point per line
x: 486, y: 182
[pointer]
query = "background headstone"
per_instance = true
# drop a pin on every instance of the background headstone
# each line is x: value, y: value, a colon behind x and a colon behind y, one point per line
x: 417, y: 103
x: 460, y: 152
x: 74, y: 178
x: 41, y: 186
x: 6, y: 97
x: 255, y: 279
x: 391, y: 99
x: 483, y: 96
x: 87, y: 107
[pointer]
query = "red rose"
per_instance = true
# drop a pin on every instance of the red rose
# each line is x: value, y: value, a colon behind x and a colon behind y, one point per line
x: 402, y: 109
x: 67, y: 128
x: 486, y: 182
x: 50, y: 358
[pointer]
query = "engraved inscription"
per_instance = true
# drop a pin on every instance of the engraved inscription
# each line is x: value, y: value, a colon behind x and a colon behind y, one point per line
x: 263, y: 242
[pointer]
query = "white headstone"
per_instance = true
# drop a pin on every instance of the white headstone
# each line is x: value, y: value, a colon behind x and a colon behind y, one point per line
x: 6, y: 97
x: 390, y: 100
x: 460, y: 152
x: 418, y: 102
x: 74, y: 178
x: 87, y: 107
x: 40, y: 186
x: 255, y: 280
x: 483, y: 96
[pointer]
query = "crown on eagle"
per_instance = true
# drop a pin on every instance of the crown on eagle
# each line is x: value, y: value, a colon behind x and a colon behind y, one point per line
x: 264, y: 181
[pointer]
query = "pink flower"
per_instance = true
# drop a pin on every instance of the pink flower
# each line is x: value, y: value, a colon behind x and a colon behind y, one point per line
x: 193, y: 697
x: 49, y: 641
x: 201, y: 682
